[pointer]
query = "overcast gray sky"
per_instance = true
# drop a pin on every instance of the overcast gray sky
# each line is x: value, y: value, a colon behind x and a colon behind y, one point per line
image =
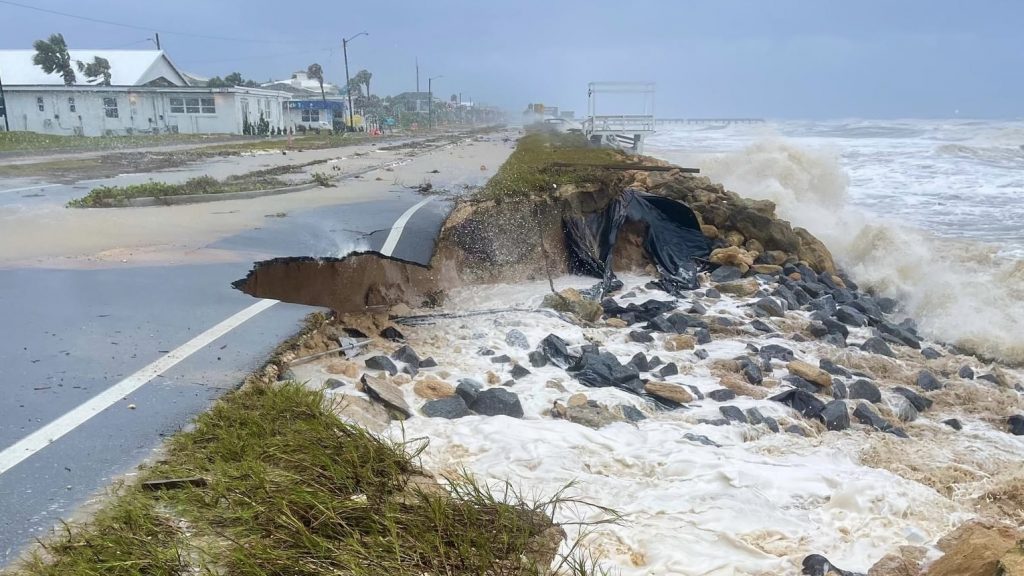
x: 777, y: 58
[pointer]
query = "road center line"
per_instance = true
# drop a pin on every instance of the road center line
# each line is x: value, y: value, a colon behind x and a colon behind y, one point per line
x: 77, y: 416
x: 39, y: 187
x: 396, y: 230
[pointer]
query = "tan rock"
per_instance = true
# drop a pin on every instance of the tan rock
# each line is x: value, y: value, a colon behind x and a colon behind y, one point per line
x: 555, y: 385
x: 814, y: 252
x: 401, y: 379
x: 570, y: 300
x: 795, y: 276
x: 1012, y: 563
x: 709, y: 231
x: 577, y: 399
x: 492, y: 378
x: 838, y: 281
x: 734, y: 238
x: 777, y: 257
x: 343, y: 367
x: 671, y: 392
x: 361, y: 412
x: 810, y: 373
x: 431, y: 388
x: 616, y: 323
x: 753, y: 245
x: 906, y: 562
x: 743, y: 287
x: 975, y: 549
x: 732, y: 256
x: 678, y: 342
x: 770, y: 269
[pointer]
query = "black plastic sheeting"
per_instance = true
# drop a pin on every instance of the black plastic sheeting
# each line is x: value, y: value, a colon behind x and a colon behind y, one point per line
x: 673, y: 240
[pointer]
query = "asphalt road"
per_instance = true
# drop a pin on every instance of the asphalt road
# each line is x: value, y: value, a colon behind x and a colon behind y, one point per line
x: 69, y: 336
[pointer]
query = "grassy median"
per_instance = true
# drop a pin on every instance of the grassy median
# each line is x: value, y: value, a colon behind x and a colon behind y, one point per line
x: 277, y: 484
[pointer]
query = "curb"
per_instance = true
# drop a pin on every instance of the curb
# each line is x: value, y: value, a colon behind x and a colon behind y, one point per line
x: 200, y: 198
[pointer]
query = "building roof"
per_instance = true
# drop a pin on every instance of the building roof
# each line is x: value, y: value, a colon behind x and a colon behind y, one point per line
x: 127, y: 67
x: 301, y: 82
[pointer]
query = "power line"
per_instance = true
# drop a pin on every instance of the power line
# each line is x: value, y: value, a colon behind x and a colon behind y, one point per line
x: 146, y: 28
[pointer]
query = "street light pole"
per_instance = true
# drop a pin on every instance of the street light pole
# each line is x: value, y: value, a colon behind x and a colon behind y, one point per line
x: 348, y: 81
x: 430, y: 100
x: 3, y: 100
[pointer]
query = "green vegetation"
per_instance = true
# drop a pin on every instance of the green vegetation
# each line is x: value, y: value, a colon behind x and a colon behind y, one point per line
x: 544, y: 159
x: 115, y: 196
x: 289, y: 489
x: 31, y: 141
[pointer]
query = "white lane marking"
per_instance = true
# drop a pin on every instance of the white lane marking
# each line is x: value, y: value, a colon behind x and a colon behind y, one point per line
x: 396, y: 231
x: 30, y: 188
x: 41, y: 438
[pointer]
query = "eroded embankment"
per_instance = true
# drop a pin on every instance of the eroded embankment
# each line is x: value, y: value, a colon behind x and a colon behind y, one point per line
x: 515, y: 229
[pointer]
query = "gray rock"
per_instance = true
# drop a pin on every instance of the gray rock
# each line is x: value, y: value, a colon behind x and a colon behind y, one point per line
x: 1016, y: 424
x: 754, y: 416
x: 538, y: 359
x: 669, y: 369
x: 333, y: 383
x: 641, y: 336
x: 927, y: 381
x: 817, y: 329
x: 428, y: 362
x: 835, y: 415
x: 518, y: 372
x: 722, y: 395
x: 451, y: 408
x: 796, y: 429
x: 800, y: 383
x: 733, y: 414
x: 406, y: 354
x: 818, y: 565
x: 835, y: 327
x: 898, y: 333
x: 903, y: 408
x: 787, y: 296
x: 700, y: 439
x: 850, y: 316
x: 990, y: 378
x: 930, y: 353
x: 833, y: 368
x: 502, y: 359
x: 631, y: 413
x: 966, y: 372
x: 876, y: 345
x: 639, y: 360
x: 468, y: 389
x: 839, y: 391
x: 697, y: 308
x: 726, y: 274
x: 591, y: 415
x: 836, y: 340
x: 497, y: 402
x: 865, y: 390
x: 953, y: 423
x: 517, y: 339
x: 769, y: 307
x: 919, y: 402
x: 411, y: 370
x: 777, y: 352
x: 867, y: 416
x: 802, y: 401
x: 696, y: 392
x: 866, y: 306
x: 714, y: 422
x: 287, y: 376
x: 654, y: 362
x: 381, y: 363
x: 701, y: 354
x: 771, y: 424
x: 825, y: 304
x: 486, y: 352
x: 712, y: 293
x: 751, y: 371
x: 703, y: 336
x: 762, y: 326
x: 887, y: 305
x: 386, y: 393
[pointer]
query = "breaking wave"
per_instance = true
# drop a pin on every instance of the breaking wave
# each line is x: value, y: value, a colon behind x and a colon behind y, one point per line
x: 960, y: 291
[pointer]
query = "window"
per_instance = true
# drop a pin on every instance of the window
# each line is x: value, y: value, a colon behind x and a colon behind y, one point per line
x: 177, y: 105
x: 110, y: 107
x: 39, y: 102
x: 71, y: 104
x: 208, y: 106
x: 192, y: 105
x: 310, y: 115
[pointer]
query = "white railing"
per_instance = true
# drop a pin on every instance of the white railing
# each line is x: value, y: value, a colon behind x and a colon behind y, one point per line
x: 619, y: 123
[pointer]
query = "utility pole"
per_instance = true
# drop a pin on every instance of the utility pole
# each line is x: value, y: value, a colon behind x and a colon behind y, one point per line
x: 430, y: 100
x: 348, y: 81
x: 417, y: 75
x: 3, y: 107
x: 157, y: 34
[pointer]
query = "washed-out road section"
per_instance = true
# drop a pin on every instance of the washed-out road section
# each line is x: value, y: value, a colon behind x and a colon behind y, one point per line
x: 120, y: 325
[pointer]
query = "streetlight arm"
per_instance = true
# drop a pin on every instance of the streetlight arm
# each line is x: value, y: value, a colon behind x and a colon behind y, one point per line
x: 357, y: 36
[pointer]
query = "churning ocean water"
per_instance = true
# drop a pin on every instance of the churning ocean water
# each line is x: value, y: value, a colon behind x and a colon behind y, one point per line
x: 929, y: 211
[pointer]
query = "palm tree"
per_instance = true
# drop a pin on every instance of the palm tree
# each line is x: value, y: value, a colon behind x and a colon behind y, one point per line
x: 52, y: 56
x: 98, y: 71
x: 363, y: 77
x: 317, y: 73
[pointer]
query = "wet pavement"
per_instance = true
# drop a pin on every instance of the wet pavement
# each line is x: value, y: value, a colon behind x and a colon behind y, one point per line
x: 70, y: 334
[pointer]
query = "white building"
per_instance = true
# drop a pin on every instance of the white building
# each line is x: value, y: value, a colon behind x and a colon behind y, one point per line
x: 148, y: 94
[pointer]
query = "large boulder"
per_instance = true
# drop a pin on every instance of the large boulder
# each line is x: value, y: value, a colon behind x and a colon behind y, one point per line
x: 975, y: 549
x: 451, y: 408
x: 814, y: 252
x: 497, y: 402
x: 386, y: 393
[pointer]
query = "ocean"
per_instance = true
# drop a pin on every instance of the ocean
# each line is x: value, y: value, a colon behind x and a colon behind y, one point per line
x: 928, y: 211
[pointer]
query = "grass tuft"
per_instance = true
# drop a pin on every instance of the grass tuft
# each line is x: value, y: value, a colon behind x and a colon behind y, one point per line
x: 293, y: 490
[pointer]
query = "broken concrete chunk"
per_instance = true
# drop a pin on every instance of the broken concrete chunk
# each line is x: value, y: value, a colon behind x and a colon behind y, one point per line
x: 386, y: 393
x: 380, y: 362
